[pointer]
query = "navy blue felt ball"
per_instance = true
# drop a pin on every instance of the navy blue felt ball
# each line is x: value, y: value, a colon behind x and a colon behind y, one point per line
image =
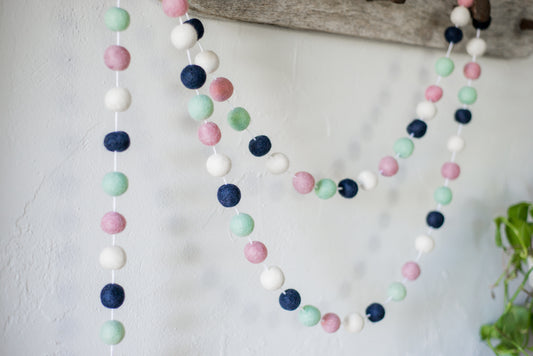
x: 463, y: 116
x: 453, y: 34
x: 259, y: 145
x: 417, y: 128
x: 482, y: 25
x: 197, y: 24
x: 117, y: 141
x: 348, y: 188
x: 290, y: 299
x: 112, y: 296
x: 193, y: 76
x: 435, y: 219
x: 375, y: 312
x: 229, y: 195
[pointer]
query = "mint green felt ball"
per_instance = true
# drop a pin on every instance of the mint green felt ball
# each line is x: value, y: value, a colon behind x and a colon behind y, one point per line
x: 309, y: 315
x: 444, y: 66
x: 443, y: 195
x: 241, y: 224
x: 239, y: 119
x: 115, y: 183
x: 112, y: 332
x: 200, y: 107
x: 396, y: 291
x: 325, y: 188
x: 117, y: 19
x: 467, y: 95
x: 404, y: 147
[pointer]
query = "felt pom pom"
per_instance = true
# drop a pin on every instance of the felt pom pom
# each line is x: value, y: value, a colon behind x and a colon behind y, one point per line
x: 453, y: 34
x: 259, y: 145
x: 255, y: 252
x: 417, y: 128
x: 354, y: 322
x: 239, y: 119
x: 309, y: 315
x: 424, y: 244
x: 388, y: 166
x: 290, y: 299
x: 193, y: 76
x: 183, y: 36
x: 463, y: 116
x: 435, y: 219
x: 325, y: 188
x: 481, y: 25
x: 450, y: 170
x: 467, y: 95
x: 198, y: 27
x: 411, y: 270
x: 241, y: 224
x: 433, y: 93
x: 272, y: 278
x: 175, y: 8
x: 348, y: 188
x: 476, y: 47
x: 117, y: 141
x: 115, y: 183
x: 455, y: 144
x: 117, y: 19
x: 396, y: 291
x: 426, y: 110
x: 375, y: 312
x: 117, y: 99
x: 117, y: 58
x: 113, y: 223
x: 221, y: 89
x: 112, y: 332
x: 229, y: 195
x: 404, y: 147
x: 330, y: 322
x: 472, y: 70
x: 367, y: 180
x: 112, y: 296
x: 209, y: 134
x: 444, y: 66
x: 208, y: 60
x: 218, y: 165
x: 113, y: 258
x: 200, y: 107
x: 303, y: 182
x: 277, y: 163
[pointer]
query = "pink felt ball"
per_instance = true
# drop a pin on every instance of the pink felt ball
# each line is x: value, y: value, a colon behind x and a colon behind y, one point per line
x: 450, y: 170
x: 209, y: 134
x: 465, y: 3
x: 117, y: 57
x: 175, y: 8
x: 388, y: 166
x: 330, y: 322
x: 411, y: 270
x: 472, y: 70
x: 433, y: 93
x: 255, y: 252
x: 303, y: 182
x: 113, y: 223
x: 221, y: 89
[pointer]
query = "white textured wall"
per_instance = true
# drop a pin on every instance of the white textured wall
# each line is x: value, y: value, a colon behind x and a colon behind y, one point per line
x: 333, y: 104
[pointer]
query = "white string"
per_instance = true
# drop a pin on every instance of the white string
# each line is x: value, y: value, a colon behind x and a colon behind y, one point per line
x: 449, y: 51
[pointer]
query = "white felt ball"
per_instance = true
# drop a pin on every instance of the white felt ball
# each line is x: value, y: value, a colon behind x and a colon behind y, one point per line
x: 112, y: 257
x: 426, y: 110
x: 272, y: 278
x: 277, y: 163
x: 476, y: 47
x: 184, y: 36
x: 455, y: 144
x: 218, y: 165
x: 354, y: 322
x: 424, y: 244
x: 367, y: 180
x: 460, y: 16
x: 208, y: 60
x: 117, y: 99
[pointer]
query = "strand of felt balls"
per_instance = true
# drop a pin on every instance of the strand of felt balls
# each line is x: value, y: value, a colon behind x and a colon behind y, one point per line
x: 115, y: 183
x: 272, y: 278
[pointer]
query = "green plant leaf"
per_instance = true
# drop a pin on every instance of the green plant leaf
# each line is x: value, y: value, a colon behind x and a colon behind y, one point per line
x: 518, y: 211
x: 506, y: 349
x: 488, y: 331
x: 514, y: 324
x: 498, y: 236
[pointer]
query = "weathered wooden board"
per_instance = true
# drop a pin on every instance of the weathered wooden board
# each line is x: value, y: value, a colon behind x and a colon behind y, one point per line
x: 416, y: 22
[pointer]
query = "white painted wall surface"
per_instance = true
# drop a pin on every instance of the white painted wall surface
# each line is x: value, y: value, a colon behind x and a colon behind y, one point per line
x: 333, y: 104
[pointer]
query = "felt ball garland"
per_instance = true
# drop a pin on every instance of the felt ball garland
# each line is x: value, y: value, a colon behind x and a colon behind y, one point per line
x: 186, y: 35
x: 115, y: 183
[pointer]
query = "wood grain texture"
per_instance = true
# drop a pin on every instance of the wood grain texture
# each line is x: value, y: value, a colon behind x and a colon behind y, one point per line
x: 416, y: 22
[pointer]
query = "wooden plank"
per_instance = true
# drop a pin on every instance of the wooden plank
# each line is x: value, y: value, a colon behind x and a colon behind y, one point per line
x: 416, y: 22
